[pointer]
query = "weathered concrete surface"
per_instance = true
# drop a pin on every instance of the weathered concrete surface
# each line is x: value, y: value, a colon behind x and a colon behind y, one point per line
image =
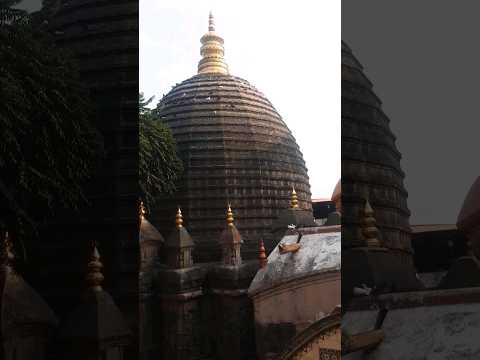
x: 426, y: 325
x: 440, y: 332
x: 317, y: 253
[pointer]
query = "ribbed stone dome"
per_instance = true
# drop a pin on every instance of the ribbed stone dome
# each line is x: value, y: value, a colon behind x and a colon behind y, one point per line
x: 235, y: 148
x: 370, y: 162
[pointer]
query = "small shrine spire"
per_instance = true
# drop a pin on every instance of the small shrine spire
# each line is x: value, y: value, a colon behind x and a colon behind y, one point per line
x: 231, y: 241
x: 212, y: 51
x: 294, y: 199
x: 369, y: 226
x: 142, y: 211
x: 179, y: 218
x: 179, y: 245
x: 229, y: 216
x: 262, y: 256
x: 94, y: 276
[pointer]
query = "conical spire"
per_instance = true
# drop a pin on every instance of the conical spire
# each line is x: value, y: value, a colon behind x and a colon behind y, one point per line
x: 294, y: 200
x: 211, y: 22
x: 231, y: 240
x: 369, y: 226
x: 212, y: 51
x: 179, y: 245
x: 94, y: 277
x: 142, y: 211
x: 179, y: 219
x: 229, y: 216
x: 262, y: 256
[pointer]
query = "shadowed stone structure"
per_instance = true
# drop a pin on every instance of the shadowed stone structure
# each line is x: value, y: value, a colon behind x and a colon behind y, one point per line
x: 102, y: 39
x: 370, y: 162
x: 236, y: 149
x: 27, y: 324
x: 96, y: 329
x: 371, y: 171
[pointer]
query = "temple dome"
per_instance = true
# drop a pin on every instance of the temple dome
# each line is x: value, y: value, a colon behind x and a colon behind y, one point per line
x: 236, y: 149
x: 370, y: 162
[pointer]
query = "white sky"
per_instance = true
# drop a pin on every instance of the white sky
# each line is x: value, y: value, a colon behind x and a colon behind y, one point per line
x: 290, y: 51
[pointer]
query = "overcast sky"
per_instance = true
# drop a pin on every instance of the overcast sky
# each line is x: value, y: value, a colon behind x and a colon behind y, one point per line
x: 289, y: 50
x: 423, y: 58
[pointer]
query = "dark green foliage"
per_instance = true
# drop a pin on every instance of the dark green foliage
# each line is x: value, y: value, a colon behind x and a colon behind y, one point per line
x: 159, y: 165
x: 48, y: 145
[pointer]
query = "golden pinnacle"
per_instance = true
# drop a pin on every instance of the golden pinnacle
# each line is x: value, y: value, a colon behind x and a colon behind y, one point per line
x: 212, y: 52
x: 369, y: 226
x: 94, y: 277
x: 294, y: 199
x: 262, y: 256
x: 229, y: 216
x: 211, y: 22
x: 142, y: 210
x: 179, y: 218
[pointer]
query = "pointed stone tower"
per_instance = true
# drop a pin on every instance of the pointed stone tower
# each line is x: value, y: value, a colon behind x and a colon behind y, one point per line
x: 371, y: 170
x: 179, y: 245
x: 96, y: 329
x: 231, y: 241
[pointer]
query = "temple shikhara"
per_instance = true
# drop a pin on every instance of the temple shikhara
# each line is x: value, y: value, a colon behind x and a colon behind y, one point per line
x: 234, y: 264
x: 408, y: 292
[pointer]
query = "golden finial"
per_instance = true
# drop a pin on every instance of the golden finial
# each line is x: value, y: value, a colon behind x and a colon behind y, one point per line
x: 179, y: 218
x: 94, y: 277
x: 262, y: 256
x: 294, y: 200
x: 229, y: 216
x: 211, y: 22
x: 142, y: 210
x: 369, y: 227
x: 212, y: 51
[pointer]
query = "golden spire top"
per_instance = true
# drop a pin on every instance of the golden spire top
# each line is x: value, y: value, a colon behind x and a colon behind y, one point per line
x: 211, y: 22
x: 229, y: 216
x: 179, y: 218
x: 369, y: 226
x: 142, y: 211
x: 262, y: 256
x: 94, y: 270
x: 294, y: 200
x: 212, y: 51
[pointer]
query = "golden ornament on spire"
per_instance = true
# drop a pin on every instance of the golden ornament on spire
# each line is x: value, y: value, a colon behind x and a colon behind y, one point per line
x: 179, y: 218
x: 212, y: 51
x: 94, y: 270
x: 262, y: 256
x: 211, y: 22
x: 294, y: 200
x: 369, y: 226
x: 229, y: 216
x: 142, y: 210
